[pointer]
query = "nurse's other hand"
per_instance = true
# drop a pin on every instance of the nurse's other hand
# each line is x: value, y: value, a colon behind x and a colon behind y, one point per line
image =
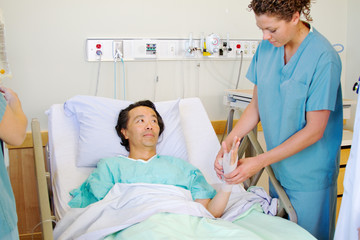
x: 218, y: 162
x: 247, y: 167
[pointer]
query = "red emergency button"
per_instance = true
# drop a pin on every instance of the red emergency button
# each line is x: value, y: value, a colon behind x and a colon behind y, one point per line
x: 238, y: 46
x: 98, y: 46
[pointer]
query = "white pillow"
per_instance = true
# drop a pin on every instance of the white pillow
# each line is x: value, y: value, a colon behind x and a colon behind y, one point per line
x: 97, y: 117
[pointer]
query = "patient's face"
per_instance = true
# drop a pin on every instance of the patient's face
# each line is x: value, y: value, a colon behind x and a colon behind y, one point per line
x: 142, y: 128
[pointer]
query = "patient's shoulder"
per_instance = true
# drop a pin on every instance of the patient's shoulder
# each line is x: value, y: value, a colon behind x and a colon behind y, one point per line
x: 176, y: 161
x: 170, y: 158
x: 112, y: 160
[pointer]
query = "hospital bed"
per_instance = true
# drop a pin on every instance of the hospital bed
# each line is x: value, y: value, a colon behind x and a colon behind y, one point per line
x: 81, y: 131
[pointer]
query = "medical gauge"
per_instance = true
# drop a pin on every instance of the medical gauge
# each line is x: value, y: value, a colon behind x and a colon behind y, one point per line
x: 212, y: 44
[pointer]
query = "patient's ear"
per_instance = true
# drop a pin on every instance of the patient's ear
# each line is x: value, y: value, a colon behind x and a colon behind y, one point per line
x: 124, y: 132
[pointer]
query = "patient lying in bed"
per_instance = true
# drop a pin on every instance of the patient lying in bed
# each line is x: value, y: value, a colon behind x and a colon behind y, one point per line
x: 139, y: 127
x: 150, y: 196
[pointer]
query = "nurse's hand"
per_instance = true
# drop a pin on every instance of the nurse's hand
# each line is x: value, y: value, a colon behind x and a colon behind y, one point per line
x: 13, y: 123
x: 11, y: 97
x: 247, y: 167
x: 217, y: 164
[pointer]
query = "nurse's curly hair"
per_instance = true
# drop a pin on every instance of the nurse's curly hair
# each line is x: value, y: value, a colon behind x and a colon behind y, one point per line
x: 124, y: 118
x: 283, y: 9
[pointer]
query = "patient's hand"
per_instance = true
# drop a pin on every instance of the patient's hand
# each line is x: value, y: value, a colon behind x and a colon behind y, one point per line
x: 229, y: 161
x: 218, y: 164
x: 224, y: 153
x: 230, y: 158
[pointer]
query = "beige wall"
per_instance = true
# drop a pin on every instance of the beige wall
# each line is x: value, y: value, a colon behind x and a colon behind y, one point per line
x: 46, y: 42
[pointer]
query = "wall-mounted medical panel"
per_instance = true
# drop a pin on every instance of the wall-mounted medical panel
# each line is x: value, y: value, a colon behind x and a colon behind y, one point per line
x: 211, y: 48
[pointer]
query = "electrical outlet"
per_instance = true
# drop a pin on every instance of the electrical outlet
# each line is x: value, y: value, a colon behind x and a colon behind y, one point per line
x: 97, y: 49
x: 247, y: 48
x: 253, y: 47
x: 118, y: 49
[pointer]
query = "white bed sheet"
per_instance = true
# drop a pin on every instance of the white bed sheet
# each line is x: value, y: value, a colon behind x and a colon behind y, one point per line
x: 123, y: 206
x: 129, y: 204
x: 201, y: 142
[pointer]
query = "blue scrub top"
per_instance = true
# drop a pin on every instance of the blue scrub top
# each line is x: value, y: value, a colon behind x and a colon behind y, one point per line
x: 8, y: 217
x: 310, y: 81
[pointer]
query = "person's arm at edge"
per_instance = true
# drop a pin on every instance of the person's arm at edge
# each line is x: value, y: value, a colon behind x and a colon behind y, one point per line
x: 14, y: 122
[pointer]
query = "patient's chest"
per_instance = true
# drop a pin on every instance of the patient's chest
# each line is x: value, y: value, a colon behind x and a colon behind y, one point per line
x: 158, y: 170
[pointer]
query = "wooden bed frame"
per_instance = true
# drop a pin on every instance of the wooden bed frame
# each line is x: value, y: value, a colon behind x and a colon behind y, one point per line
x: 43, y: 182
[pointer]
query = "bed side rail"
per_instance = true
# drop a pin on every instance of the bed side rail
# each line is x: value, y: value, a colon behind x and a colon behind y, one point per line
x: 42, y: 185
x: 285, y: 204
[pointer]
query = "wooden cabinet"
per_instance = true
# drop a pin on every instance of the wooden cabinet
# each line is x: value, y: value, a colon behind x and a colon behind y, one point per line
x: 23, y: 180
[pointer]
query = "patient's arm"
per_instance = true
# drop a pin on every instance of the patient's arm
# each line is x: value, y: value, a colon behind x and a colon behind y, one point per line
x: 217, y: 205
x: 95, y: 187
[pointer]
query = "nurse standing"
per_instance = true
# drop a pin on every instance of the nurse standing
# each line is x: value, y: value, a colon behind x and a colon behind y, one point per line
x: 297, y: 97
x: 13, y: 124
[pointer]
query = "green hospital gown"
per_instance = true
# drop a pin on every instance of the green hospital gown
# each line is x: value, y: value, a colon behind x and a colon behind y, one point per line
x: 157, y: 170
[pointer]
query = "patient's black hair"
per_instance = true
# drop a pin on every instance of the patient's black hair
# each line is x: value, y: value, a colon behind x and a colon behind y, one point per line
x: 124, y: 118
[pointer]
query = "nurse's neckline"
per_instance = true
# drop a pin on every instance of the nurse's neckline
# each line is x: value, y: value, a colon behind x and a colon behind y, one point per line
x: 304, y: 32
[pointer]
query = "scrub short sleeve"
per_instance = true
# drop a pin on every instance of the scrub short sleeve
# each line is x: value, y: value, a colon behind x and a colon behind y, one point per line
x: 325, y: 84
x: 251, y: 73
